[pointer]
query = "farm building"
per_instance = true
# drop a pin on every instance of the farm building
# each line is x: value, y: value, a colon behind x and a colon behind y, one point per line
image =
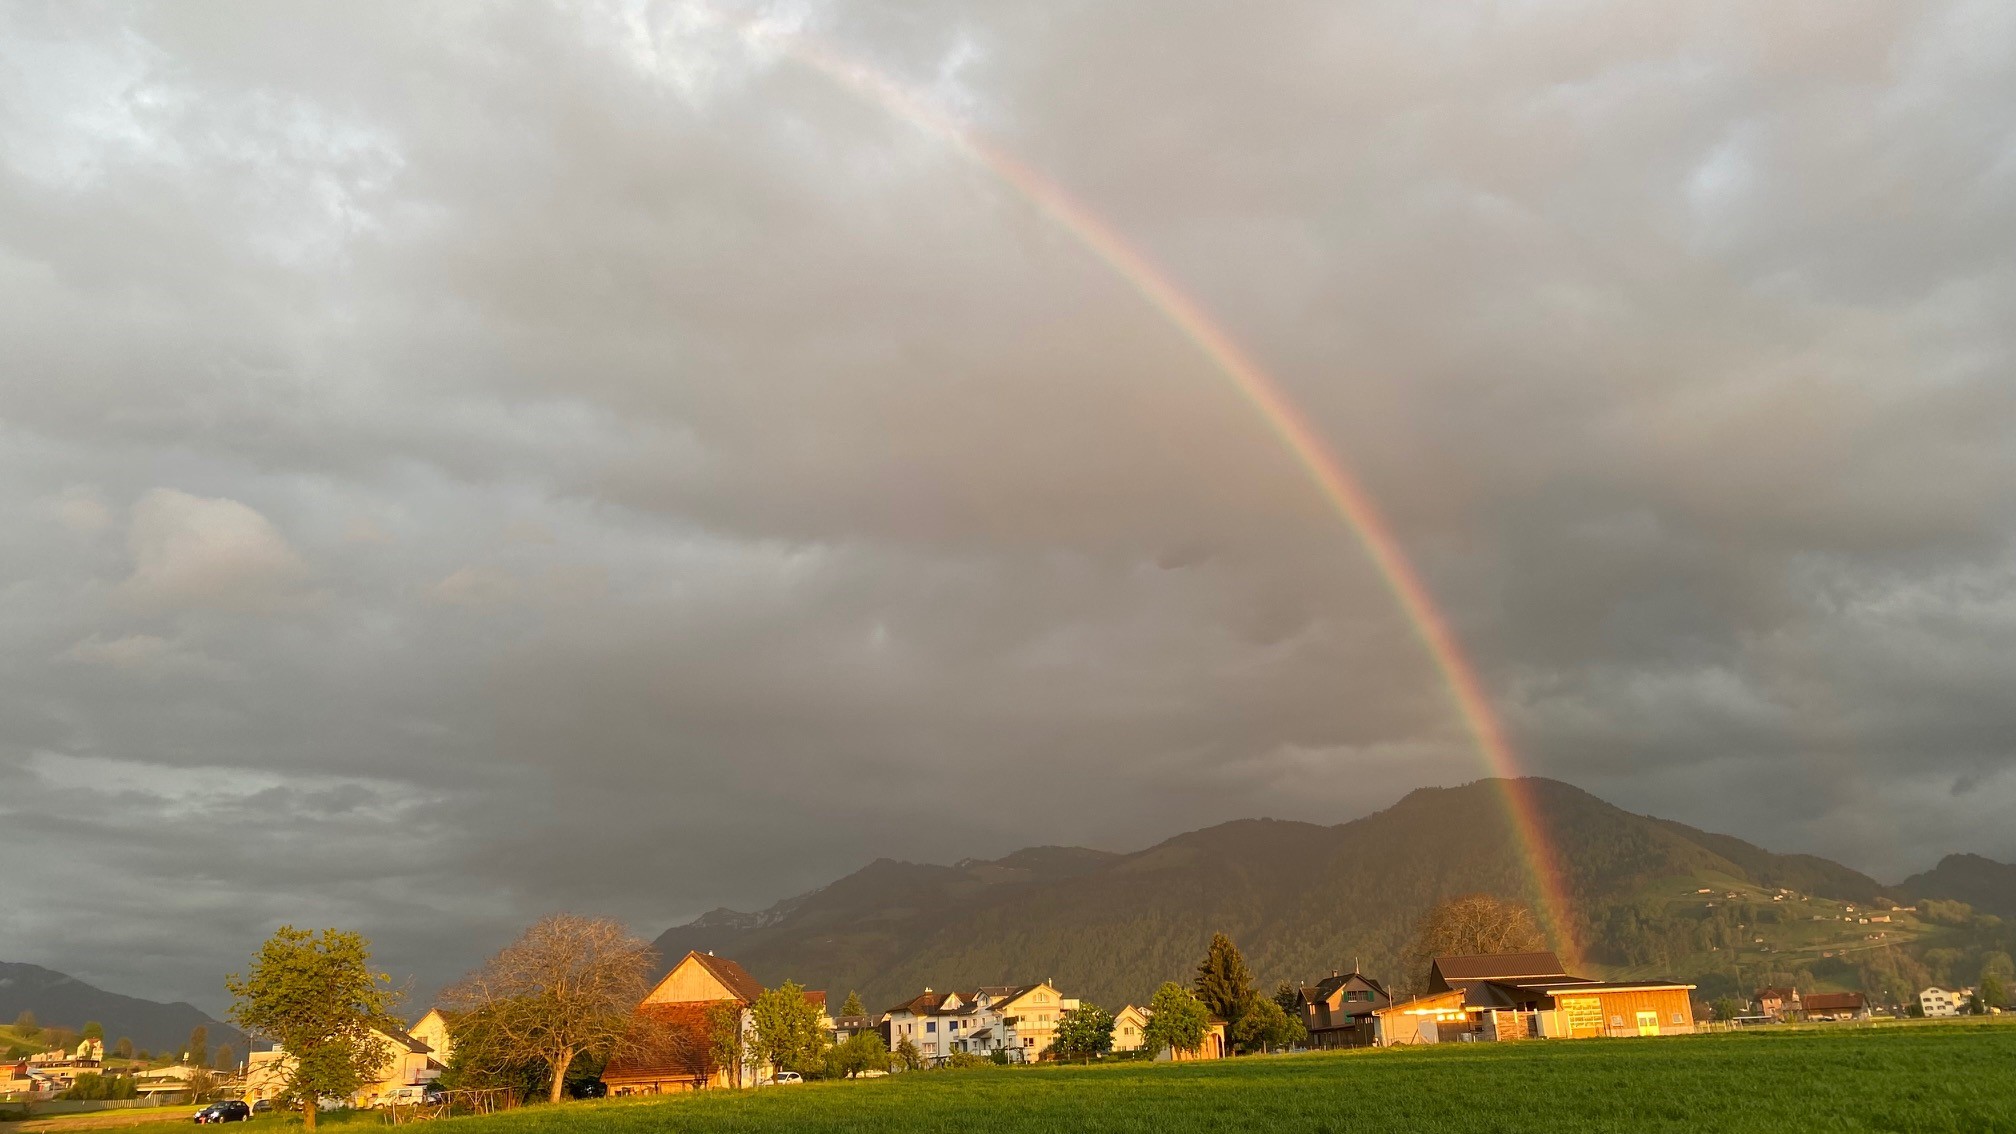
x: 675, y: 1023
x: 1836, y: 1006
x: 1780, y: 1003
x: 1528, y: 996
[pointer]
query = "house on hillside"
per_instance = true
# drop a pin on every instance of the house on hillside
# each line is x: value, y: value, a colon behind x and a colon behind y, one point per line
x: 57, y: 1069
x: 1528, y: 996
x: 1128, y: 1024
x: 1017, y: 1020
x: 675, y: 1024
x: 1936, y: 1001
x: 1836, y: 1006
x: 1338, y: 1010
x: 1780, y: 1004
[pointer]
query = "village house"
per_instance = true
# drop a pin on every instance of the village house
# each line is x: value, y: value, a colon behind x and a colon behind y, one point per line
x: 435, y: 1030
x: 1017, y: 1020
x: 676, y: 1022
x: 1780, y: 1004
x: 1836, y: 1006
x: 1528, y: 996
x: 1936, y: 1001
x: 847, y: 1027
x: 1338, y: 1010
x: 404, y: 1061
x: 1128, y: 1024
x: 57, y: 1069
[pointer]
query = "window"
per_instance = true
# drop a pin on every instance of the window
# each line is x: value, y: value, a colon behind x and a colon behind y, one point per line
x: 931, y: 1025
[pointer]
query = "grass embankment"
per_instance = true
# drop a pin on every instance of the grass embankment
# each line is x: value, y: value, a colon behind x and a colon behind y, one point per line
x: 1925, y: 1078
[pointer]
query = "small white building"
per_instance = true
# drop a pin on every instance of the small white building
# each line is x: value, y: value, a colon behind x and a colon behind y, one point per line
x: 1938, y: 1001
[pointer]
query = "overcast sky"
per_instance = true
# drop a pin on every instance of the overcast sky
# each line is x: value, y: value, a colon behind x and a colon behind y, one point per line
x: 465, y: 463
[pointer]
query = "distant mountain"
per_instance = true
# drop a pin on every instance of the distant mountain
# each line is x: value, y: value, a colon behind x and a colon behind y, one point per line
x: 64, y: 1001
x: 1983, y: 883
x: 1301, y: 899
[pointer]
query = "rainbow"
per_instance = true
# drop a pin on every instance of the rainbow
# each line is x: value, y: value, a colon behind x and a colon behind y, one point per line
x: 1331, y: 476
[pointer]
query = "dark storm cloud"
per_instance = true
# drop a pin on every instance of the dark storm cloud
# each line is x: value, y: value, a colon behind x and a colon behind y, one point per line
x: 471, y: 462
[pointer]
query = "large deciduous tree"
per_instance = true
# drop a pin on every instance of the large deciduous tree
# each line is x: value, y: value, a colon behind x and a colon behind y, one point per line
x: 1085, y: 1033
x: 1473, y: 924
x: 317, y: 995
x: 198, y: 1048
x: 784, y: 1030
x: 566, y: 987
x: 1224, y: 983
x: 1176, y: 1020
x: 1265, y: 1027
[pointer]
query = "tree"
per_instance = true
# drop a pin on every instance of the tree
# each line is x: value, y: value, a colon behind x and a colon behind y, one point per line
x: 27, y: 1025
x: 1176, y: 1020
x: 93, y: 1030
x: 1084, y: 1033
x: 785, y: 1031
x: 1223, y: 982
x: 1265, y: 1027
x: 123, y: 1049
x: 853, y: 1007
x: 1473, y: 924
x: 198, y: 1048
x: 908, y: 1056
x: 224, y: 1058
x: 565, y: 987
x: 724, y: 1038
x: 480, y: 1059
x: 1288, y: 997
x: 862, y: 1051
x: 1728, y: 1008
x: 318, y: 996
x: 1993, y: 994
x: 201, y: 1086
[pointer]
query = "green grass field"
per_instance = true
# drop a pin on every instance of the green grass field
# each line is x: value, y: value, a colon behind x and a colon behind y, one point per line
x: 1929, y: 1077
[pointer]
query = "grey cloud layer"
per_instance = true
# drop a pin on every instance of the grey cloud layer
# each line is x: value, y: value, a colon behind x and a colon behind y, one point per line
x: 471, y: 462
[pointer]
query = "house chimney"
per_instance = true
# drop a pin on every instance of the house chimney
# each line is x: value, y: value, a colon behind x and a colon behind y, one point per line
x: 1333, y: 972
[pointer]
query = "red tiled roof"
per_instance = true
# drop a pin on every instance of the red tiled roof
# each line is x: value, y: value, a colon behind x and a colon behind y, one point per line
x: 732, y: 976
x: 1834, y: 1002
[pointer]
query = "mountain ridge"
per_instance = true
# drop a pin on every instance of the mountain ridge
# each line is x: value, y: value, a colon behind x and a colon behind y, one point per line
x: 1300, y: 898
x: 60, y: 1000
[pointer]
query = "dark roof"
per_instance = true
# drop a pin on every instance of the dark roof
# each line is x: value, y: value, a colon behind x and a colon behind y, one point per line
x: 1499, y: 966
x: 1780, y: 993
x: 1833, y: 1001
x: 921, y: 1003
x: 854, y: 1023
x: 1328, y: 985
x: 732, y: 976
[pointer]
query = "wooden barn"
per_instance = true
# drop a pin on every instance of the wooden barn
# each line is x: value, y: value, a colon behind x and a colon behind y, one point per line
x: 671, y: 1048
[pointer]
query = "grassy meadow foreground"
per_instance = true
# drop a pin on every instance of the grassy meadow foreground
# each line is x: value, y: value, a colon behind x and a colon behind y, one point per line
x: 1930, y: 1077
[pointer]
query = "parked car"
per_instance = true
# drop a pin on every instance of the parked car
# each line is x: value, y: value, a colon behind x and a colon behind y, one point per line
x: 784, y: 1077
x: 261, y: 1106
x: 229, y: 1111
x: 589, y: 1089
x: 413, y: 1094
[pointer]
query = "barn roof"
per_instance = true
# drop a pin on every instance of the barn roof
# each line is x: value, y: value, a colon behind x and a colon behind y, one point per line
x: 1498, y: 966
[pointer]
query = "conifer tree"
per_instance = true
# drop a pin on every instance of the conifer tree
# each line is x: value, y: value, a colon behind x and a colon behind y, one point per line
x: 1224, y: 983
x: 853, y: 1007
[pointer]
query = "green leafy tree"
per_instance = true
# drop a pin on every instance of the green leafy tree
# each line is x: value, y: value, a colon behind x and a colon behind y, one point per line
x: 907, y: 1055
x: 724, y: 1038
x: 317, y: 995
x: 123, y: 1049
x: 481, y: 1059
x: 1084, y: 1033
x: 1728, y: 1007
x: 94, y: 1031
x: 198, y: 1047
x: 1265, y: 1027
x: 566, y: 987
x: 1223, y: 982
x: 93, y: 1087
x: 1993, y: 993
x: 27, y: 1024
x: 853, y: 1007
x: 1177, y: 1020
x: 785, y: 1031
x: 863, y: 1051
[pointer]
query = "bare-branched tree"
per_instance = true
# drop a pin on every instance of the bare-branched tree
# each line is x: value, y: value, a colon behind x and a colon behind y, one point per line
x: 566, y: 987
x: 1471, y: 925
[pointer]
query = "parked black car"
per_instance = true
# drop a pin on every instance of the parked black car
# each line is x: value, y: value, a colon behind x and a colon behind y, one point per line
x: 231, y: 1111
x: 588, y: 1089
